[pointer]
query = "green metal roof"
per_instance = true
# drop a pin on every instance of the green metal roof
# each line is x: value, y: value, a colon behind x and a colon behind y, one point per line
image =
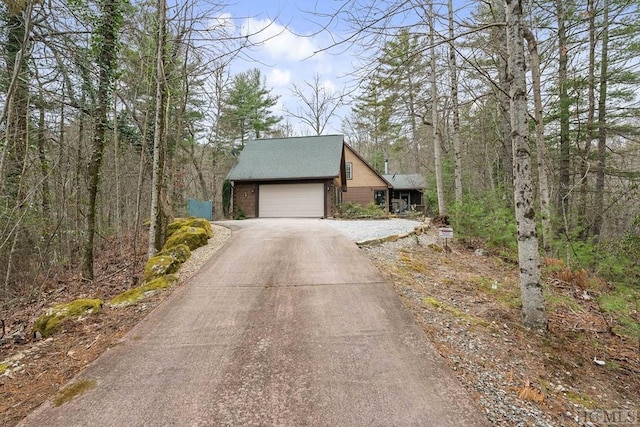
x: 289, y: 158
x: 406, y: 182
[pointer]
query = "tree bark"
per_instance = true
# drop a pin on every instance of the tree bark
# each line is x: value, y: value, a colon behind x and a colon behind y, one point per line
x: 565, y: 149
x: 533, y: 310
x: 106, y: 62
x: 503, y: 96
x: 541, y: 144
x: 456, y: 110
x: 588, y: 137
x: 155, y: 226
x: 602, y: 125
x: 437, y: 149
x: 16, y: 109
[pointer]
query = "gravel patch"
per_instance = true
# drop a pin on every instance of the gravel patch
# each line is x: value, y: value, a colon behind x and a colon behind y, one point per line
x: 363, y: 230
x: 204, y: 253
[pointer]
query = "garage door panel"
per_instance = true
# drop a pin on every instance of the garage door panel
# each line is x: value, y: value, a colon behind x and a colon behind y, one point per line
x: 291, y: 200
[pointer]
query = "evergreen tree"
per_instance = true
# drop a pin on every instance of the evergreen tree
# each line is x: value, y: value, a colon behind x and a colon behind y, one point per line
x: 247, y: 108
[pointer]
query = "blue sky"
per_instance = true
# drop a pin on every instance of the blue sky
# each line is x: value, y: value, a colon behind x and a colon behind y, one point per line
x: 288, y: 35
x: 285, y: 50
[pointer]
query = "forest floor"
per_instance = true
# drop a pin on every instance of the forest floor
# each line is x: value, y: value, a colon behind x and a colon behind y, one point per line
x: 466, y: 302
x: 583, y: 371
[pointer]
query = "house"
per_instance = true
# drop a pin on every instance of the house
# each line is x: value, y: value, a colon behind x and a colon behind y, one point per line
x: 364, y: 184
x: 407, y: 193
x: 289, y: 177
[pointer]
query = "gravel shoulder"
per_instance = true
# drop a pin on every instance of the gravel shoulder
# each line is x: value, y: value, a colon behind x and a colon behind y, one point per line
x: 364, y: 230
x: 468, y: 304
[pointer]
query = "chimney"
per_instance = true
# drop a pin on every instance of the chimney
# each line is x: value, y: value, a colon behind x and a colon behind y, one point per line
x: 386, y: 166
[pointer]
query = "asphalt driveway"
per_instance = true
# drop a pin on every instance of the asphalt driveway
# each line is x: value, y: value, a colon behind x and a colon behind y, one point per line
x: 287, y: 325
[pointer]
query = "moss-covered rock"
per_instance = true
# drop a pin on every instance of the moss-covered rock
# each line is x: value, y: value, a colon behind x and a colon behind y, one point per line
x: 160, y: 265
x: 179, y: 223
x: 136, y: 294
x: 193, y: 237
x: 51, y: 321
x: 179, y: 252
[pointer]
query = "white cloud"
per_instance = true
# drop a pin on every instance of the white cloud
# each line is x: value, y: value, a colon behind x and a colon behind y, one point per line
x: 278, y: 42
x: 278, y: 77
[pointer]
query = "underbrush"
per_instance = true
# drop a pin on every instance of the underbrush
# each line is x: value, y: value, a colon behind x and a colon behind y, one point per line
x: 487, y: 222
x: 605, y: 273
x: 352, y: 210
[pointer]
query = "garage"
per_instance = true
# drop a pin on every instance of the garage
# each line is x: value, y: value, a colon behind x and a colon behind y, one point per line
x: 291, y: 200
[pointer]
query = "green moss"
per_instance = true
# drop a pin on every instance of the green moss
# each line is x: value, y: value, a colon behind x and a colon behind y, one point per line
x: 179, y: 252
x: 179, y: 223
x: 3, y: 367
x: 160, y: 265
x: 68, y: 393
x: 51, y: 321
x: 193, y: 237
x: 134, y: 295
x: 581, y: 399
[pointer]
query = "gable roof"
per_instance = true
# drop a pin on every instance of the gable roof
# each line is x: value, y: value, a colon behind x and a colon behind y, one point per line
x: 289, y: 158
x: 412, y: 181
x: 386, y: 181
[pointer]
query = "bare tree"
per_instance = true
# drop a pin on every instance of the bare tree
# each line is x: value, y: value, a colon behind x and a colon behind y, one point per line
x: 455, y: 131
x: 159, y: 137
x: 541, y: 144
x: 110, y: 20
x: 437, y: 147
x: 319, y: 104
x: 602, y: 124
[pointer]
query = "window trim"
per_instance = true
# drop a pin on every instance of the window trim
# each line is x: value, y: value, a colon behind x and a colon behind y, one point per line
x: 348, y: 170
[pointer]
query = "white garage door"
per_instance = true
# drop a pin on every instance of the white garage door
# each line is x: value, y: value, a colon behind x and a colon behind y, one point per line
x: 291, y: 200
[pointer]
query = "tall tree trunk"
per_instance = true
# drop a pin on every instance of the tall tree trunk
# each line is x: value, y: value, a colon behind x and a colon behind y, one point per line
x: 588, y: 137
x: 155, y: 228
x: 565, y: 148
x: 533, y: 310
x: 602, y: 124
x: 16, y: 107
x: 503, y: 95
x: 541, y: 144
x: 44, y: 162
x: 437, y: 149
x: 108, y: 27
x: 457, y: 149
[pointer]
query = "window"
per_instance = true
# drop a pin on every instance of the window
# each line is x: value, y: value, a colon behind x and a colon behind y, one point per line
x: 380, y: 197
x: 349, y: 170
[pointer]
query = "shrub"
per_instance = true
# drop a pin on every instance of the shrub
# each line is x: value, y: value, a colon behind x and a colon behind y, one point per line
x: 352, y: 210
x: 488, y: 219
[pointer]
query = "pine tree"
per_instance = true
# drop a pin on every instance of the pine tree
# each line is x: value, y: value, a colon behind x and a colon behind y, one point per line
x: 247, y: 108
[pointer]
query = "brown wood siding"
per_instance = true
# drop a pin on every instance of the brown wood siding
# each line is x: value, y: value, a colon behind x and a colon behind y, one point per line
x: 362, y: 195
x: 362, y: 174
x: 245, y: 198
